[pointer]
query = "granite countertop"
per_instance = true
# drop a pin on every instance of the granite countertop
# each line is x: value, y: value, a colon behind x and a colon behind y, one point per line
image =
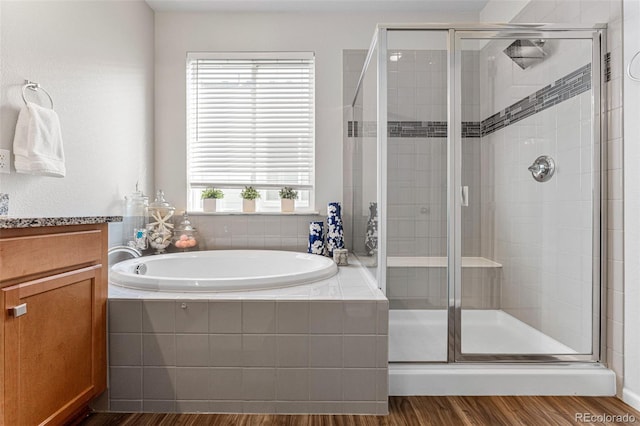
x: 7, y: 222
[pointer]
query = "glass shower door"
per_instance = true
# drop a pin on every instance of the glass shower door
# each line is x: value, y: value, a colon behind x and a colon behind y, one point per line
x: 416, y: 194
x: 528, y: 224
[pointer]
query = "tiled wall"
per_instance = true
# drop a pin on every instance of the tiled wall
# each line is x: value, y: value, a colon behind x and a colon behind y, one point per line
x: 542, y: 231
x: 251, y: 356
x: 354, y: 215
x: 247, y: 231
x: 417, y: 171
x: 426, y: 288
x: 610, y: 12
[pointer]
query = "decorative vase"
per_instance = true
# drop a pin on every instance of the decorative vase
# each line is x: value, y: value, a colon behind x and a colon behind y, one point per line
x: 371, y: 238
x: 287, y: 205
x: 335, y: 232
x: 185, y: 235
x: 159, y: 228
x: 135, y: 219
x: 209, y: 205
x: 316, y: 238
x: 248, y: 206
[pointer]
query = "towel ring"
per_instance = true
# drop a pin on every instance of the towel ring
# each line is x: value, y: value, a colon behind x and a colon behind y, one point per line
x: 631, y: 76
x: 35, y: 87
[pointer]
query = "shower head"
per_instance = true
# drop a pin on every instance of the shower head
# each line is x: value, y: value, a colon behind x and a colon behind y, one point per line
x: 525, y: 52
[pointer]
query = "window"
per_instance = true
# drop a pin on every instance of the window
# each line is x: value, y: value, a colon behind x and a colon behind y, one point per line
x: 250, y: 121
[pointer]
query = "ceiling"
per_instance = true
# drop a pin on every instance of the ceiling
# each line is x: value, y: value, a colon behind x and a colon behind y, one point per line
x: 317, y: 5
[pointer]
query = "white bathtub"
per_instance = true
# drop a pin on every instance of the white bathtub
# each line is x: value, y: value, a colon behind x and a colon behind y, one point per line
x: 222, y: 271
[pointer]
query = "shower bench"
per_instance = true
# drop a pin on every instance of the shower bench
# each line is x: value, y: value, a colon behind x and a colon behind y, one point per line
x: 438, y: 262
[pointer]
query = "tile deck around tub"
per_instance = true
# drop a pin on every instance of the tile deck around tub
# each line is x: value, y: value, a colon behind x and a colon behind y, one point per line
x: 351, y: 282
x: 316, y: 348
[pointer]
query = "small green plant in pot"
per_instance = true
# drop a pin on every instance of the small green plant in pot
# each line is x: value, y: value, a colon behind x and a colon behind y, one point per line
x: 288, y: 196
x: 249, y: 195
x: 209, y: 197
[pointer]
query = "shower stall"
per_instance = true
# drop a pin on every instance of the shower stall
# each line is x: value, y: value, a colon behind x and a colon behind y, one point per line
x: 475, y: 179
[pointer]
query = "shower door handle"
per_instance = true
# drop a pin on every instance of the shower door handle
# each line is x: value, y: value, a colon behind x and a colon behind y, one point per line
x: 464, y: 196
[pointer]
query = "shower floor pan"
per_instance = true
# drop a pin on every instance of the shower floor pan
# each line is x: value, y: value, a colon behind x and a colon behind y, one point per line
x: 421, y: 335
x: 417, y: 336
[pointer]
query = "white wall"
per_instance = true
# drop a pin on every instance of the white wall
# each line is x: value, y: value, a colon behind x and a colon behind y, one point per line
x: 631, y: 392
x: 326, y: 34
x: 95, y: 58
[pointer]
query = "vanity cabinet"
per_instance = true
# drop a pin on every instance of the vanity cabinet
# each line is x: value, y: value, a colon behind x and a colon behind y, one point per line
x: 53, y: 290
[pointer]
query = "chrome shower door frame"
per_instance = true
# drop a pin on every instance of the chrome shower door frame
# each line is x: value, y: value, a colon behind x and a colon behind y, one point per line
x: 456, y: 32
x: 597, y: 36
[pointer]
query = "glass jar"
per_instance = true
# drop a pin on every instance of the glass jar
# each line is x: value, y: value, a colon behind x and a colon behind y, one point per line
x: 134, y: 221
x: 185, y: 236
x: 159, y: 229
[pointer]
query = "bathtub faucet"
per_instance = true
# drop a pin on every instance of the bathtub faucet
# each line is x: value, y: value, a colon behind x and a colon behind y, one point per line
x: 125, y: 249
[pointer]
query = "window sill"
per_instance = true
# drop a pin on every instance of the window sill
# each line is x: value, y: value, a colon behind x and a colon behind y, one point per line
x: 297, y: 213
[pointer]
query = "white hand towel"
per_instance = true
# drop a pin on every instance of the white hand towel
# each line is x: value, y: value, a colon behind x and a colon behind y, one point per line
x: 37, y: 144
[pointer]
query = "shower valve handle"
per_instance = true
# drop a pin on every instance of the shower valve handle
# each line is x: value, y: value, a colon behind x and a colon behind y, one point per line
x: 542, y: 168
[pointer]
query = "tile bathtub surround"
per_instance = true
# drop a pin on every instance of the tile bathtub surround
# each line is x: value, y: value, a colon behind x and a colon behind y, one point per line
x: 315, y: 348
x: 277, y: 232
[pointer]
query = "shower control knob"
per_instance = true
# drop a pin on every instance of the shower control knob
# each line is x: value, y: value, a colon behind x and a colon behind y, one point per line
x: 542, y: 168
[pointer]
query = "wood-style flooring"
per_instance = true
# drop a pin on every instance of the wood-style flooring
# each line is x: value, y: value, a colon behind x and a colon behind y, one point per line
x: 419, y: 411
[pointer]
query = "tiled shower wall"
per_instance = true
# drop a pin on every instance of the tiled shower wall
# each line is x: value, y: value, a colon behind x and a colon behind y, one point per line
x: 541, y: 231
x: 610, y: 12
x: 417, y: 172
x: 353, y: 61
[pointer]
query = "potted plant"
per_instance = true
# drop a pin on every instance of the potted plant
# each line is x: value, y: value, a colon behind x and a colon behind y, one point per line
x: 288, y: 196
x: 249, y: 195
x: 209, y: 197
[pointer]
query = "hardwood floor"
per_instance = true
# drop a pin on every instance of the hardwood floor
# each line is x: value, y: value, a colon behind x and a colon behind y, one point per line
x: 419, y: 411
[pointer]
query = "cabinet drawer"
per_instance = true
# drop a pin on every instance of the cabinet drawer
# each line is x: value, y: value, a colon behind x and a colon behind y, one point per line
x: 23, y: 256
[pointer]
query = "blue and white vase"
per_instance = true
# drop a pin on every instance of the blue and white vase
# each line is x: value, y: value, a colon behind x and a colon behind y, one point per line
x: 316, y: 238
x: 335, y: 232
x: 371, y: 239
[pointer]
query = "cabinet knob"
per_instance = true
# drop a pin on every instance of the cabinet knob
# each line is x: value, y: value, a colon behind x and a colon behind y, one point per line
x: 19, y: 310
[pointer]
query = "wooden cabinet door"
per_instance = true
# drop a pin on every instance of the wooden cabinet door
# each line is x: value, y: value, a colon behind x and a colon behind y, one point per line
x: 50, y: 350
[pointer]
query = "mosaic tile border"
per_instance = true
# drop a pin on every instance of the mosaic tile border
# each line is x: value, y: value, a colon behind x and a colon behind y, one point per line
x: 567, y: 87
x: 572, y: 84
x: 411, y: 129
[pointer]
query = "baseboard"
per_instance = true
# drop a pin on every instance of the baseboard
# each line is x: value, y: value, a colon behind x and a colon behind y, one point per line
x: 631, y: 398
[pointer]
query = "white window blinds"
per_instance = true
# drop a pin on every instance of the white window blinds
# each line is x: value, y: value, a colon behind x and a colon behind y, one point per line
x: 250, y: 120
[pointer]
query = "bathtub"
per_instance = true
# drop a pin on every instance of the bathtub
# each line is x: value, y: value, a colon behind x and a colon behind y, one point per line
x: 222, y: 271
x: 314, y: 342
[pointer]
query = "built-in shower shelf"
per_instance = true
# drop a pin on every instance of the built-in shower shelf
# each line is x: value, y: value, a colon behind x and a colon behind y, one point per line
x: 439, y: 262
